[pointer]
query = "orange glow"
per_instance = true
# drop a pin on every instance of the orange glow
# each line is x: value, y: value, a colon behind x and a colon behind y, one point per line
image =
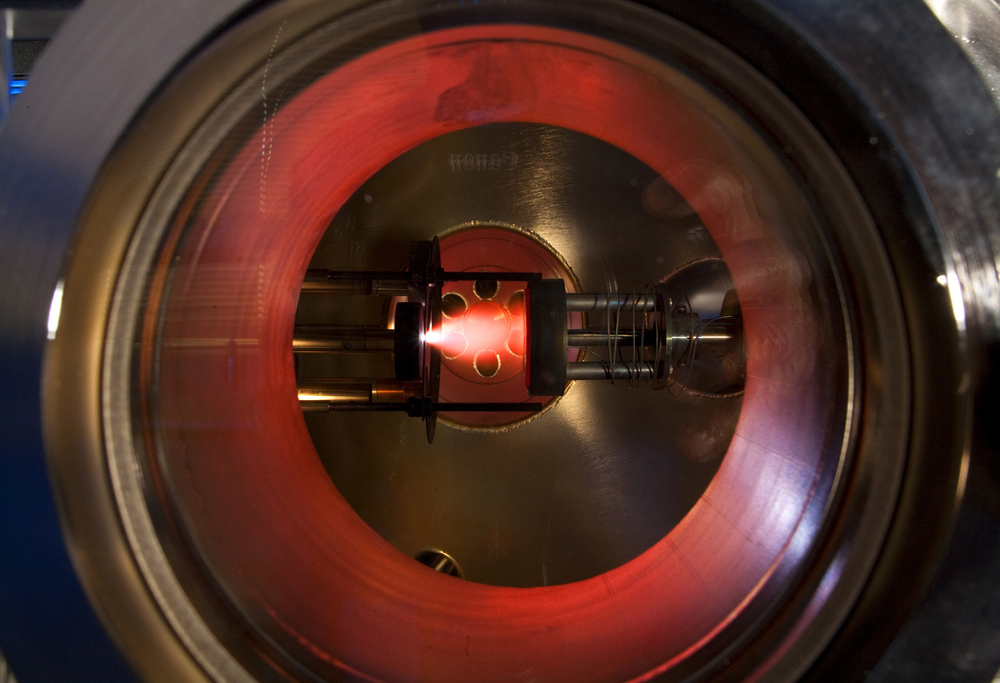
x: 486, y: 326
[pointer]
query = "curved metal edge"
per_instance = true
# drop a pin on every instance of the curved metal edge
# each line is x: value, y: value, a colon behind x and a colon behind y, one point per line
x: 975, y: 25
x: 22, y: 340
x: 947, y: 127
x: 48, y: 630
x: 925, y: 123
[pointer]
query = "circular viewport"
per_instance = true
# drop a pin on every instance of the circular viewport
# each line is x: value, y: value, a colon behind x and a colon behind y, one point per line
x: 509, y: 495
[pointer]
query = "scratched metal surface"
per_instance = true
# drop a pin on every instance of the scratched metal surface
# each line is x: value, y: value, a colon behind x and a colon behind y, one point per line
x: 605, y: 473
x: 923, y: 644
x: 580, y: 490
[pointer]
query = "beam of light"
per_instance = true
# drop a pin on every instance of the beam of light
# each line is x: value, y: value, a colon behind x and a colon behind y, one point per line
x: 448, y: 338
x: 485, y: 326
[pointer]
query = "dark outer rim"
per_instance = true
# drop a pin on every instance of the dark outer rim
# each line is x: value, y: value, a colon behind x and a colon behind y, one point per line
x: 34, y: 246
x: 910, y: 88
x: 49, y: 630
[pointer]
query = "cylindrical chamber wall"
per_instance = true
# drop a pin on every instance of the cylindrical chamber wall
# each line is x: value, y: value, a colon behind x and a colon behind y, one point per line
x: 224, y: 592
x: 767, y: 500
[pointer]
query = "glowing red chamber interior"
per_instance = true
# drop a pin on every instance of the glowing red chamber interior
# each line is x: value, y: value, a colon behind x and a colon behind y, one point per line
x: 482, y: 332
x: 235, y: 442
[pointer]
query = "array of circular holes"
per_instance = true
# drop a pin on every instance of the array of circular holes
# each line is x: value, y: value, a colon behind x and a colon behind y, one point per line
x: 481, y: 325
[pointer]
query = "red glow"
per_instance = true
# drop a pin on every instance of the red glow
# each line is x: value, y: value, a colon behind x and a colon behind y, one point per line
x: 482, y: 331
x: 633, y: 621
x: 486, y: 326
x: 452, y: 344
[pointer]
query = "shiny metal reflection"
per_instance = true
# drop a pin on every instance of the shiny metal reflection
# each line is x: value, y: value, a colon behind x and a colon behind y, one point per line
x: 440, y: 561
x: 600, y: 476
x: 513, y: 508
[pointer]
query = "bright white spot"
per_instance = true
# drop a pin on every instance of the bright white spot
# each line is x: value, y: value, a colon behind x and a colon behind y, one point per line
x: 942, y: 280
x: 431, y: 337
x: 54, y: 309
x: 312, y: 397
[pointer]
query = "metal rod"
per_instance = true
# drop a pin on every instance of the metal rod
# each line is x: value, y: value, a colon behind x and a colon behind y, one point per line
x: 716, y: 337
x: 335, y: 391
x: 591, y: 370
x: 711, y: 337
x: 486, y: 276
x: 342, y: 339
x: 401, y: 407
x: 486, y: 407
x: 315, y: 406
x: 351, y: 390
x: 578, y: 338
x: 362, y: 282
x: 335, y: 407
x: 393, y: 283
x: 601, y: 302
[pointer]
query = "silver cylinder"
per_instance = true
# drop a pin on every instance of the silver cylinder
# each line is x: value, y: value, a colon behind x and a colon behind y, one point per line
x: 342, y: 339
x: 364, y: 283
x: 602, y: 302
x: 588, y: 370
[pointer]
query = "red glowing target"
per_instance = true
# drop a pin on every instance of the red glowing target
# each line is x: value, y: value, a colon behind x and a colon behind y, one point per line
x: 482, y: 333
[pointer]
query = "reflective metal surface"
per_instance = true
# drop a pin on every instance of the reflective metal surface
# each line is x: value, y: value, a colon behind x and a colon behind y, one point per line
x: 975, y: 24
x: 215, y: 542
x: 218, y: 317
x: 507, y: 505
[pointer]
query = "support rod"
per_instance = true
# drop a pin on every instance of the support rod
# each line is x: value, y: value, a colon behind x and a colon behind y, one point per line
x: 395, y: 283
x: 602, y: 302
x: 350, y: 390
x: 592, y: 370
x: 578, y: 338
x: 408, y: 407
x: 365, y: 283
x: 715, y: 336
x: 486, y: 276
x: 342, y: 339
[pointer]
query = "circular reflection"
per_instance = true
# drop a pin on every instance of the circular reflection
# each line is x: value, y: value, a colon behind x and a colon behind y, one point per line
x: 612, y: 508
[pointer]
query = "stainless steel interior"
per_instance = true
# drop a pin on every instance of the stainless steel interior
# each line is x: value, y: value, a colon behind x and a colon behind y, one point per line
x: 611, y: 494
x: 621, y: 533
x: 545, y: 501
